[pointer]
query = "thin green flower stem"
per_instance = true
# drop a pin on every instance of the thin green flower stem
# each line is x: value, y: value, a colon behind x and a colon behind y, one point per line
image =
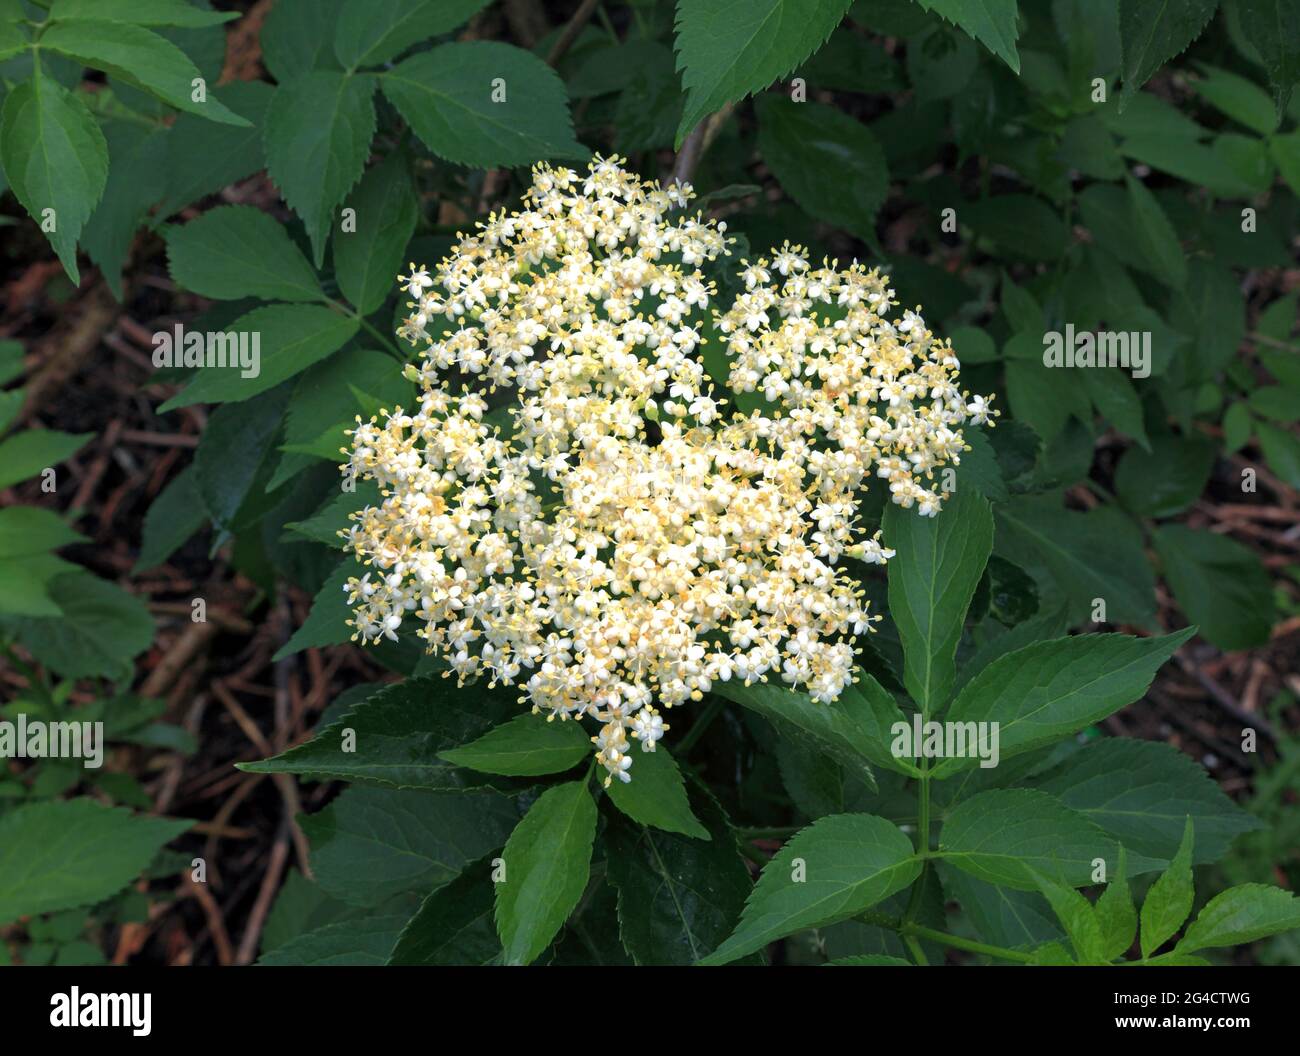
x: 707, y: 716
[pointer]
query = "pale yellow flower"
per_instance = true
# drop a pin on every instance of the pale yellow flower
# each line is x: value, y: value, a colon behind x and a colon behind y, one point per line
x: 618, y: 538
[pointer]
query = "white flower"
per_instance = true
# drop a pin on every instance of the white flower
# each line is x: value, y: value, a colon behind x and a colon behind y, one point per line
x: 605, y: 565
x: 648, y: 727
x: 978, y: 410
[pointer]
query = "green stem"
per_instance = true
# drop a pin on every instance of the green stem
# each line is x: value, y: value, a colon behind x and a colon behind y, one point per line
x: 707, y: 716
x: 911, y: 930
x: 970, y: 945
x: 923, y: 810
x: 918, y: 954
x: 1264, y: 339
x: 379, y: 336
x: 922, y: 844
x: 384, y: 340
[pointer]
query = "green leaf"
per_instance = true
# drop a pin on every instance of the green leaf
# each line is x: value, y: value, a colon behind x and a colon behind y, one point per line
x: 446, y: 96
x: 726, y: 51
x: 1153, y: 33
x: 526, y: 746
x: 546, y: 861
x: 336, y: 514
x: 11, y: 361
x: 202, y: 158
x: 1036, y: 393
x: 855, y: 727
x: 815, y: 151
x: 1005, y: 836
x: 1146, y: 115
x: 831, y: 871
x: 943, y: 65
x: 932, y: 579
x: 1273, y: 27
x: 979, y: 468
x: 68, y: 853
x: 360, y: 941
x: 13, y: 41
x: 1049, y: 623
x: 367, y: 258
x: 1053, y: 954
x: 1220, y: 585
x: 1241, y: 914
x: 1167, y: 479
x: 1192, y: 162
x: 328, y: 622
x: 372, y: 32
x: 102, y: 629
x: 300, y: 906
x: 140, y: 58
x: 394, y: 738
x: 1170, y: 898
x: 56, y: 160
x: 1275, y: 401
x: 1281, y: 450
x: 852, y: 62
x: 288, y: 338
x: 371, y: 844
x: 1079, y: 919
x: 591, y: 936
x: 453, y: 925
x: 136, y: 177
x: 1237, y: 97
x: 1022, y: 310
x: 1047, y: 691
x: 318, y: 132
x: 28, y: 453
x: 324, y: 406
x: 1064, y: 542
x: 140, y: 12
x: 298, y: 37
x: 1142, y: 792
x: 234, y: 457
x: 25, y: 584
x: 1021, y: 224
x: 237, y: 251
x: 1116, y: 913
x: 678, y: 897
x: 173, y: 517
x: 1237, y: 427
x: 869, y: 959
x: 27, y: 530
x: 991, y: 22
x: 1115, y: 398
x: 1155, y: 236
x: 656, y: 795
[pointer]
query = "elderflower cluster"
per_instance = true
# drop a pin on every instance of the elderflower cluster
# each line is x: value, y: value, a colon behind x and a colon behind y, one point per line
x: 614, y: 538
